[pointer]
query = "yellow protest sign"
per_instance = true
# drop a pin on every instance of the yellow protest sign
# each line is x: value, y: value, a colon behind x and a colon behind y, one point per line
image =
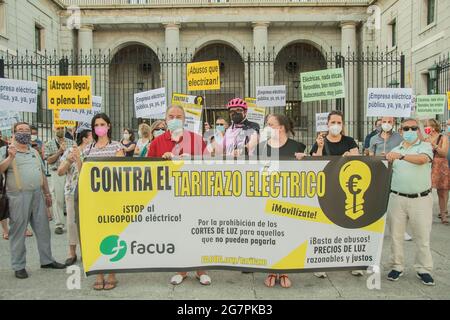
x: 193, y: 106
x: 69, y: 92
x: 57, y: 122
x: 448, y: 100
x: 203, y: 75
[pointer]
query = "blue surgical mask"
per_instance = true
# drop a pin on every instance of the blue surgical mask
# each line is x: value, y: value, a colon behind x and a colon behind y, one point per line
x: 448, y: 129
x: 174, y: 124
x: 410, y: 136
x: 158, y: 132
x: 220, y: 128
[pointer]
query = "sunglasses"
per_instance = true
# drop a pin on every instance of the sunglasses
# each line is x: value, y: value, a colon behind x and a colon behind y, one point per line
x: 410, y: 128
x: 219, y: 124
x: 159, y: 129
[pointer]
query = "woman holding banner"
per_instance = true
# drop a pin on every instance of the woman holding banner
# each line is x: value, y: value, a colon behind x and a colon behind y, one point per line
x: 335, y: 143
x: 144, y: 133
x: 279, y: 146
x: 103, y: 146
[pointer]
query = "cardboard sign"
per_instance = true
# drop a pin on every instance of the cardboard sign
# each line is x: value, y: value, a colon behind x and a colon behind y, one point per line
x: 271, y: 96
x: 193, y: 107
x: 389, y: 102
x: 254, y: 113
x: 322, y: 122
x: 69, y: 92
x: 322, y: 85
x: 82, y: 115
x: 430, y: 105
x: 150, y: 103
x: 203, y: 75
x: 57, y: 122
x: 18, y: 95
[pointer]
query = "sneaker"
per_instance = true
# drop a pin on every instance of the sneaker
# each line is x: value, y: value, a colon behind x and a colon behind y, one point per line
x: 357, y: 273
x: 394, y: 275
x: 426, y: 279
x: 321, y: 275
x: 59, y: 230
x: 407, y: 237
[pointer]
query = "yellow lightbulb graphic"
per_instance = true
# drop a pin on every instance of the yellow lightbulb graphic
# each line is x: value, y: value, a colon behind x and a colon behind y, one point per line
x: 355, y: 177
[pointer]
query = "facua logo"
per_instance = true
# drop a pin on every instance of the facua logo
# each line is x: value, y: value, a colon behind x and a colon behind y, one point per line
x: 113, y: 246
x: 152, y: 248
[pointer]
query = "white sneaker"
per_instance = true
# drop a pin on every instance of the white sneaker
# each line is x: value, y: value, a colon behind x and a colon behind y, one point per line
x: 357, y: 273
x: 321, y: 275
x: 204, y: 279
x: 177, y: 279
x: 407, y: 237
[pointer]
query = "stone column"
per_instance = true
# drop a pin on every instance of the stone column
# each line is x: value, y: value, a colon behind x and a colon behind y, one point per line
x: 172, y: 71
x: 348, y: 48
x: 261, y: 69
x: 86, y: 54
x: 85, y: 39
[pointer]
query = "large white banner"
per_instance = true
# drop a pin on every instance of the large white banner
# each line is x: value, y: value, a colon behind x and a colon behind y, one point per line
x: 389, y: 102
x: 82, y: 115
x: 269, y: 216
x: 150, y: 103
x: 18, y: 95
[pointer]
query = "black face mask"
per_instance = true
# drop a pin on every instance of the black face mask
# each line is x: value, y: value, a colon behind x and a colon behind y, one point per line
x: 237, y: 117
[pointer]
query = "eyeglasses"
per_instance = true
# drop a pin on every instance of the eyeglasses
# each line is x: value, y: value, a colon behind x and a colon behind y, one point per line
x: 410, y: 128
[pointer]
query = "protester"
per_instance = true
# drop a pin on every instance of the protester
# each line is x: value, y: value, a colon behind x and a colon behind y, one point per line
x: 411, y: 199
x: 70, y: 132
x: 27, y: 201
x: 208, y: 133
x: 103, y: 146
x: 144, y: 134
x: 36, y: 143
x: 54, y: 149
x: 335, y: 143
x: 241, y: 138
x: 70, y: 166
x: 215, y: 143
x: 178, y: 142
x: 128, y: 142
x: 439, y: 173
x: 383, y: 142
x: 376, y: 130
x: 279, y: 146
x: 157, y: 128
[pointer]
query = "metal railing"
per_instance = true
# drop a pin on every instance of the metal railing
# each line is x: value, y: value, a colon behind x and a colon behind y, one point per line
x: 189, y: 3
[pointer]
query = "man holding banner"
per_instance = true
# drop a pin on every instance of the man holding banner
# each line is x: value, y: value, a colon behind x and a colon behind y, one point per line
x: 411, y: 200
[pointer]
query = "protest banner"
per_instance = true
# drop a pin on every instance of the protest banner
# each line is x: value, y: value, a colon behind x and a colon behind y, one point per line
x: 203, y: 75
x: 254, y: 113
x: 430, y: 105
x: 18, y: 95
x: 150, y: 103
x: 316, y: 214
x: 193, y: 107
x: 69, y: 92
x: 7, y: 120
x: 82, y: 115
x: 322, y: 85
x: 57, y: 122
x: 389, y: 102
x: 271, y: 96
x: 322, y: 122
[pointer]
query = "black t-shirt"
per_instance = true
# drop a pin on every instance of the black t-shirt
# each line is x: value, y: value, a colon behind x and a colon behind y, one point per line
x: 129, y: 153
x: 285, y: 152
x: 336, y: 148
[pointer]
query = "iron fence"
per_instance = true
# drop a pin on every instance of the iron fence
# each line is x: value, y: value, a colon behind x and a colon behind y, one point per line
x: 117, y: 76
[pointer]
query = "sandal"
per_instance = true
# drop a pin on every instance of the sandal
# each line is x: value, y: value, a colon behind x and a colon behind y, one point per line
x: 5, y: 236
x: 177, y: 279
x: 99, y: 285
x: 271, y: 280
x: 204, y: 279
x: 444, y: 218
x: 112, y: 284
x: 284, y: 281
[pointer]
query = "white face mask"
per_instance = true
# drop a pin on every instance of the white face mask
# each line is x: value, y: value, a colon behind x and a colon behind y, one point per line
x: 335, y: 129
x: 268, y: 132
x: 386, y: 127
x: 126, y: 136
x: 34, y: 137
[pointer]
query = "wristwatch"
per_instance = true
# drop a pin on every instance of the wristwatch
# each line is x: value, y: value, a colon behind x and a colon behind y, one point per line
x: 402, y: 157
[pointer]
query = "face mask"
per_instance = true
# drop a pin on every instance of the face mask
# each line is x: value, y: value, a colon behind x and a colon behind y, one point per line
x: 237, y: 118
x: 386, y: 127
x: 101, y: 131
x: 410, y: 136
x: 126, y: 136
x: 335, y: 129
x: 34, y: 137
x: 220, y: 128
x: 378, y: 128
x: 268, y: 132
x: 427, y: 130
x: 60, y: 134
x: 23, y: 138
x: 158, y: 132
x: 174, y: 124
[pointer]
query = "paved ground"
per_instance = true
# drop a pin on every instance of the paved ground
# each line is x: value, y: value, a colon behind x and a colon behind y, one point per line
x: 51, y: 284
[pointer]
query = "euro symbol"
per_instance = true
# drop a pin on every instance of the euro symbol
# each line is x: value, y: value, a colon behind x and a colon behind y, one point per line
x: 351, y: 185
